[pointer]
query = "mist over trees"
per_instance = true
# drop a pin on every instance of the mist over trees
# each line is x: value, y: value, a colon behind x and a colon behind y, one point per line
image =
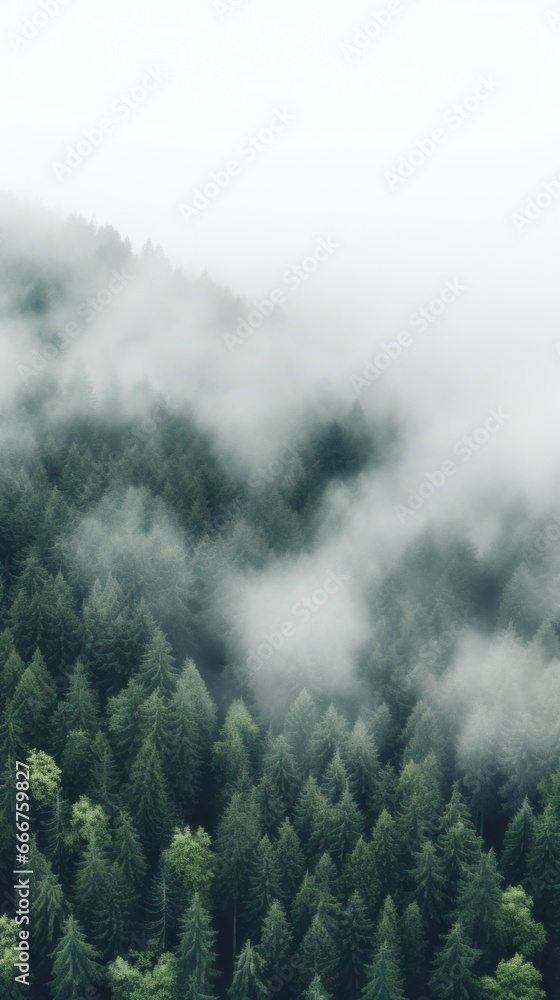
x: 268, y: 757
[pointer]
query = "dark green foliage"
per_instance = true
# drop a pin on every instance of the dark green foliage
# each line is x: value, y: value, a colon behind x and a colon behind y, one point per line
x: 75, y: 966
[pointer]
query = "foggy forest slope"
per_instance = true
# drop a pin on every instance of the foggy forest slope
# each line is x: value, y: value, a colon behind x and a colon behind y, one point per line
x: 292, y: 719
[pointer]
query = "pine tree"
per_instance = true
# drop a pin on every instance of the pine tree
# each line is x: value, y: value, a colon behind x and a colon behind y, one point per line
x: 362, y: 761
x: 77, y: 763
x: 543, y: 863
x: 157, y: 671
x: 235, y: 755
x: 518, y: 844
x: 290, y: 861
x: 247, y: 981
x: 345, y: 826
x: 281, y: 769
x: 385, y: 849
x: 461, y: 852
x: 264, y: 881
x: 335, y: 781
x: 274, y: 947
x: 79, y: 709
x: 430, y: 885
x: 384, y: 979
x: 192, y: 726
x: 237, y: 839
x: 299, y: 725
x: 452, y: 978
x: 355, y: 938
x: 153, y: 812
x: 163, y: 905
x: 126, y: 850
x: 75, y: 966
x: 319, y: 953
x: 34, y: 700
x: 480, y: 905
x: 195, y: 954
x: 127, y: 720
x: 316, y: 991
x: 329, y: 735
x: 10, y: 676
x: 310, y: 817
x: 50, y: 910
x: 360, y: 875
x: 414, y: 949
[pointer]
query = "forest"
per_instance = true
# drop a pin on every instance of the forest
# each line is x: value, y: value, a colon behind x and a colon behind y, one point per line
x: 209, y: 821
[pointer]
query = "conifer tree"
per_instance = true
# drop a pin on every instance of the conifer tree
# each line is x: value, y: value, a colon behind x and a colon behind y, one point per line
x: 196, y: 958
x: 384, y: 978
x: 518, y: 844
x: 76, y: 969
x: 247, y: 981
x: 275, y: 940
x: 452, y: 978
x: 355, y: 941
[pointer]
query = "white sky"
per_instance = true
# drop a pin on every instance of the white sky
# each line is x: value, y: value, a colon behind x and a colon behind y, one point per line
x: 324, y: 174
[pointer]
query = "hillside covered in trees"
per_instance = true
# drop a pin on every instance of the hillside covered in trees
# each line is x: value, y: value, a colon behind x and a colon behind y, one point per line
x: 214, y: 815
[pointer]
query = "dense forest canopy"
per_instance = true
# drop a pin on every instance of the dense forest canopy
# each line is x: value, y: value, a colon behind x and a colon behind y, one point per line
x: 264, y: 760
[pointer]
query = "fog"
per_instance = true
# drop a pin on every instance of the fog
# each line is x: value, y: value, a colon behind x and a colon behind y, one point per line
x: 306, y: 292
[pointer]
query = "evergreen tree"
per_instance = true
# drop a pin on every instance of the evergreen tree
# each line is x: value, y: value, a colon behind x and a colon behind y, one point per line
x: 75, y: 964
x: 452, y: 977
x: 50, y: 910
x: 414, y: 949
x: 192, y: 726
x: 34, y: 700
x: 290, y: 861
x: 385, y: 849
x: 196, y: 959
x: 329, y: 735
x: 237, y: 839
x: 264, y: 881
x: 362, y: 761
x: 153, y: 812
x: 79, y: 709
x: 126, y: 850
x: 299, y: 726
x: 430, y: 886
x: 127, y: 720
x: 275, y: 941
x: 518, y: 843
x: 157, y: 671
x: 480, y: 905
x: 384, y: 979
x: 247, y: 981
x: 316, y: 991
x: 236, y: 754
x: 355, y: 940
